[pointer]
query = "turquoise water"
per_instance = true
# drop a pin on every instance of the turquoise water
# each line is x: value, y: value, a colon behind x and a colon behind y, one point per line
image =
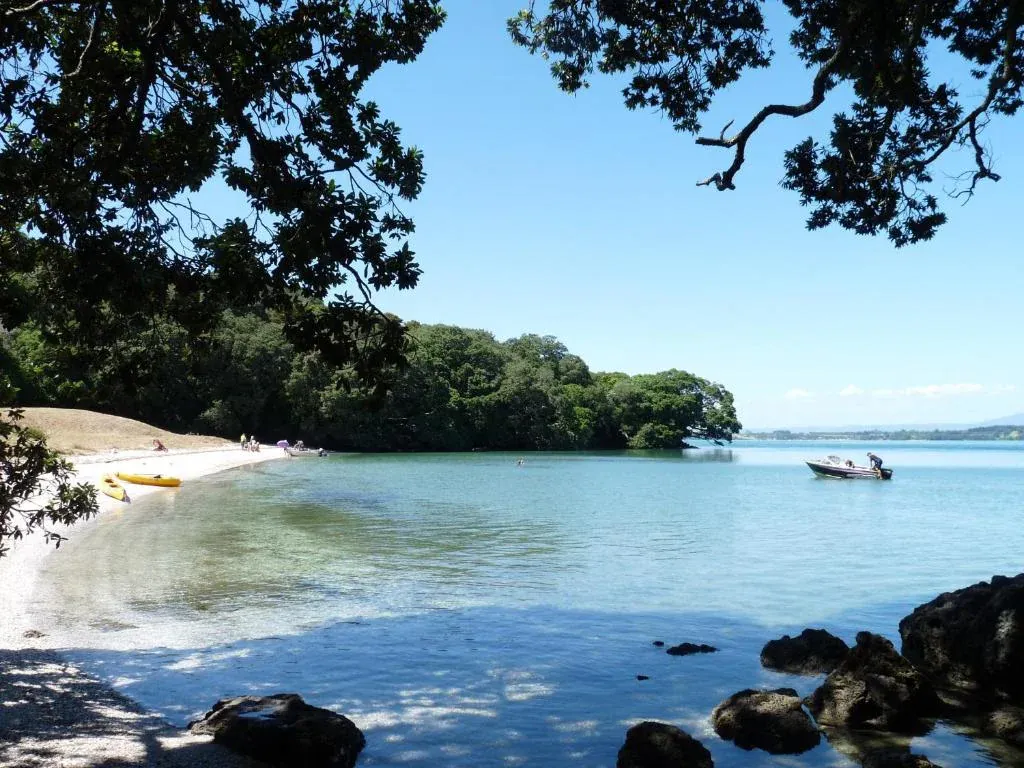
x: 464, y: 610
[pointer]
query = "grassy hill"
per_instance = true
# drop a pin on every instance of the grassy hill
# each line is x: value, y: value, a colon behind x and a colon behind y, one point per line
x: 78, y: 432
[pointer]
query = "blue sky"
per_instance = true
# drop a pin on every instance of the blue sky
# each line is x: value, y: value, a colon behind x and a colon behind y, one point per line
x: 571, y: 216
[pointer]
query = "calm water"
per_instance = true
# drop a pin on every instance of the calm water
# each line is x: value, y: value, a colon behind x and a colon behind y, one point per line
x: 466, y: 611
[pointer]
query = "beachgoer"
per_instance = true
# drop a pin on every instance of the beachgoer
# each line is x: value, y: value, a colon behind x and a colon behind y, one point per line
x: 876, y: 463
x: 255, y: 444
x: 321, y: 452
x: 244, y: 443
x: 158, y: 446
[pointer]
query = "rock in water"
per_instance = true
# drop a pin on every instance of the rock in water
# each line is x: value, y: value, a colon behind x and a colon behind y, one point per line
x: 874, y: 687
x: 659, y: 745
x: 972, y: 639
x: 813, y: 652
x: 770, y: 720
x: 283, y: 730
x: 896, y: 758
x: 686, y: 649
x: 1007, y: 723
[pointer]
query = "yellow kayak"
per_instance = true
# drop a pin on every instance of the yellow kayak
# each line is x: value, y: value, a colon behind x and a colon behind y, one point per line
x: 161, y: 480
x: 113, y: 489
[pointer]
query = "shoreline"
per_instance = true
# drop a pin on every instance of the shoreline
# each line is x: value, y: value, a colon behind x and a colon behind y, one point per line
x: 54, y: 713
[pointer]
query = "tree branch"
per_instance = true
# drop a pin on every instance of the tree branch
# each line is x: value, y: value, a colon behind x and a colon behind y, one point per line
x: 820, y: 87
x: 34, y: 6
x: 999, y: 78
x: 88, y: 43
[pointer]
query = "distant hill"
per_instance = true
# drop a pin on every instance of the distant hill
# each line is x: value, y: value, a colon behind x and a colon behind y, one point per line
x: 1016, y: 418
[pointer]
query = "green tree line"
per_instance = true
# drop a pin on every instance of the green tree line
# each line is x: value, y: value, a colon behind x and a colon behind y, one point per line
x: 459, y: 389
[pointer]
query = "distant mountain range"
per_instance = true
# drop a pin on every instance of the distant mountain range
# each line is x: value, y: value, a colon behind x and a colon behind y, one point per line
x: 1015, y: 419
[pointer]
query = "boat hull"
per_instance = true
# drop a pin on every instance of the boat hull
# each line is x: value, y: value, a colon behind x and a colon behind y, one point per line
x: 848, y: 473
x: 163, y: 481
x: 301, y: 454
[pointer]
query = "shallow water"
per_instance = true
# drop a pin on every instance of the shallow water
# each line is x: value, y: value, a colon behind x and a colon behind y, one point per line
x: 463, y: 610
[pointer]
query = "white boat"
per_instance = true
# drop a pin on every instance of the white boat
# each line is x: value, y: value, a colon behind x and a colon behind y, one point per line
x: 304, y: 452
x: 833, y: 466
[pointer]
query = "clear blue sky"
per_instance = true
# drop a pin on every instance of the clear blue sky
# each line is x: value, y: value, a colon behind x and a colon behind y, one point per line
x: 571, y: 216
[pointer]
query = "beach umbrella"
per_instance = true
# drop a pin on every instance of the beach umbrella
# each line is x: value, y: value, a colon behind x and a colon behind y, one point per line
x: 282, y: 443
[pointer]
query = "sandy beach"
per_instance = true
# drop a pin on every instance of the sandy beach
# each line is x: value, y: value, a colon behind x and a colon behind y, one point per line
x: 53, y: 714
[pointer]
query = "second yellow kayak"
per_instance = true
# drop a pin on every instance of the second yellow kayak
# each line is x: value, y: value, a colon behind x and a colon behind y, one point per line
x: 113, y: 489
x: 161, y: 480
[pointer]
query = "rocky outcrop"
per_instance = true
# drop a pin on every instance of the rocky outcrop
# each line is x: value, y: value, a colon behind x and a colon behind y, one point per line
x: 874, y: 687
x: 770, y: 720
x: 896, y: 758
x: 972, y: 639
x: 283, y: 730
x: 1006, y: 723
x: 812, y: 652
x: 659, y: 745
x: 686, y: 649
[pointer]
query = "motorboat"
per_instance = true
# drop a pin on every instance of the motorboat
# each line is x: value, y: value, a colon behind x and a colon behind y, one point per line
x: 304, y: 452
x: 833, y: 466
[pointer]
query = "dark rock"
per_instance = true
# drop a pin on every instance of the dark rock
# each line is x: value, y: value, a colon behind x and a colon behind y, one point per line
x: 813, y: 652
x: 896, y: 758
x: 685, y: 649
x: 770, y: 720
x: 874, y: 687
x: 659, y: 745
x: 642, y: 677
x: 283, y: 730
x: 1006, y: 723
x: 972, y: 639
x: 658, y: 643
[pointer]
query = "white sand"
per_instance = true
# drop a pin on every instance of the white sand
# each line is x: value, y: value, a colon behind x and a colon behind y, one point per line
x: 51, y: 714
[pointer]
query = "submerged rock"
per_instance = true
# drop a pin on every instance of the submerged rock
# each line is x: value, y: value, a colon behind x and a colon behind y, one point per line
x: 283, y: 730
x: 1006, y: 723
x: 874, y: 687
x: 896, y: 758
x: 972, y: 639
x: 812, y: 652
x: 686, y: 649
x: 658, y: 745
x: 770, y: 720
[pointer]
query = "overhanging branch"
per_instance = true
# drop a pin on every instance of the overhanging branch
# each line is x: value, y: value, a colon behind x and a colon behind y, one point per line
x: 723, y: 180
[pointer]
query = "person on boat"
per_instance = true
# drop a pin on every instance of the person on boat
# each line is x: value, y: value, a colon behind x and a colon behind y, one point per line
x: 849, y: 462
x: 876, y: 462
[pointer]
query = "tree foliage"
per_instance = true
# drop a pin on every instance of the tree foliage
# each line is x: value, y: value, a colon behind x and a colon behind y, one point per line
x: 36, y: 486
x: 875, y: 172
x: 119, y: 121
x: 459, y: 389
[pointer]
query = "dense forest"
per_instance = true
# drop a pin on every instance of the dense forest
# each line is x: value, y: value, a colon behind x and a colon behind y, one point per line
x: 1001, y: 432
x: 458, y: 389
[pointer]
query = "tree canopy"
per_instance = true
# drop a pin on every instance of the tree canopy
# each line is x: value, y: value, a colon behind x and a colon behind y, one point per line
x: 116, y: 118
x: 874, y: 173
x: 459, y: 389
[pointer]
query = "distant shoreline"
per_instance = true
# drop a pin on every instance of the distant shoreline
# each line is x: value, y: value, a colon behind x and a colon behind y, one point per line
x: 1002, y: 433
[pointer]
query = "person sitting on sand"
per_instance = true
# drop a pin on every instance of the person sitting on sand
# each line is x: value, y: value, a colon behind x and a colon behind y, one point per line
x: 158, y: 446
